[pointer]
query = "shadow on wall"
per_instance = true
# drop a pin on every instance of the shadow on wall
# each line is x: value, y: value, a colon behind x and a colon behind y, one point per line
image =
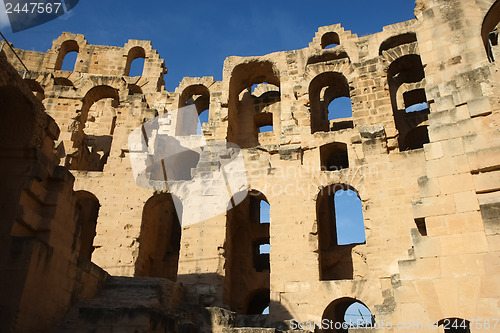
x: 204, y: 292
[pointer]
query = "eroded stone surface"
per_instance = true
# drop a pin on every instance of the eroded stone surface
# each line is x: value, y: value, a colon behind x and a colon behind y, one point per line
x: 420, y: 151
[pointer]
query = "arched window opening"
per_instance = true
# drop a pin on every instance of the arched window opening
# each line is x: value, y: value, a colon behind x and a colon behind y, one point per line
x: 247, y: 250
x: 87, y: 211
x: 259, y: 302
x: 254, y: 96
x: 199, y: 96
x: 324, y: 89
x: 334, y: 156
x: 330, y: 40
x: 398, y: 40
x: 455, y: 325
x: 340, y: 221
x: 68, y: 54
x: 93, y: 130
x: 135, y: 61
x: 160, y: 238
x: 411, y: 118
x: 489, y: 31
x: 347, y: 313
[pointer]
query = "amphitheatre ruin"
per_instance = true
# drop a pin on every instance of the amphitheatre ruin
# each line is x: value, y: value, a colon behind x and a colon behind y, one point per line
x: 95, y: 241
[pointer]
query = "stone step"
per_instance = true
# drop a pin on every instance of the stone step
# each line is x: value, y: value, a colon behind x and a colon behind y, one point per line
x: 126, y: 304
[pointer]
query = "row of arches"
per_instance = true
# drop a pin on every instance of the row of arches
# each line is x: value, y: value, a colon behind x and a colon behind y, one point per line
x: 331, y: 39
x: 247, y: 288
x: 68, y: 55
x: 247, y: 246
x: 252, y: 114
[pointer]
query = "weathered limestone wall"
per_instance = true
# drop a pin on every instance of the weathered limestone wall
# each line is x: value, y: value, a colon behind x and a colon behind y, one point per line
x: 427, y: 179
x: 43, y: 268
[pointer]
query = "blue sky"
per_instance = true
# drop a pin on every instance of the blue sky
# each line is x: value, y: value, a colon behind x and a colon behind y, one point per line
x: 194, y: 38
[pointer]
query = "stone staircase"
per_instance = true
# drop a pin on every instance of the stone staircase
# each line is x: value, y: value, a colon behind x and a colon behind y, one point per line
x: 132, y: 305
x: 154, y: 305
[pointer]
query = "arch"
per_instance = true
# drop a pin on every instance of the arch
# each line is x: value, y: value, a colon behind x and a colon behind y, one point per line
x: 247, y: 268
x: 65, y: 48
x: 335, y: 313
x: 455, y: 325
x: 395, y: 41
x: 258, y: 301
x: 242, y: 127
x: 196, y: 94
x: 94, y: 144
x: 95, y: 94
x: 330, y: 39
x: 134, y: 89
x: 87, y: 210
x: 323, y: 89
x: 63, y: 81
x: 160, y: 238
x: 489, y: 32
x: 405, y: 76
x: 199, y: 96
x: 335, y: 242
x: 263, y: 105
x: 134, y: 53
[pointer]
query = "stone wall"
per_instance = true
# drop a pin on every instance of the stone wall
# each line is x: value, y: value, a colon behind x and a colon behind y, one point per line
x: 422, y: 156
x: 43, y: 262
